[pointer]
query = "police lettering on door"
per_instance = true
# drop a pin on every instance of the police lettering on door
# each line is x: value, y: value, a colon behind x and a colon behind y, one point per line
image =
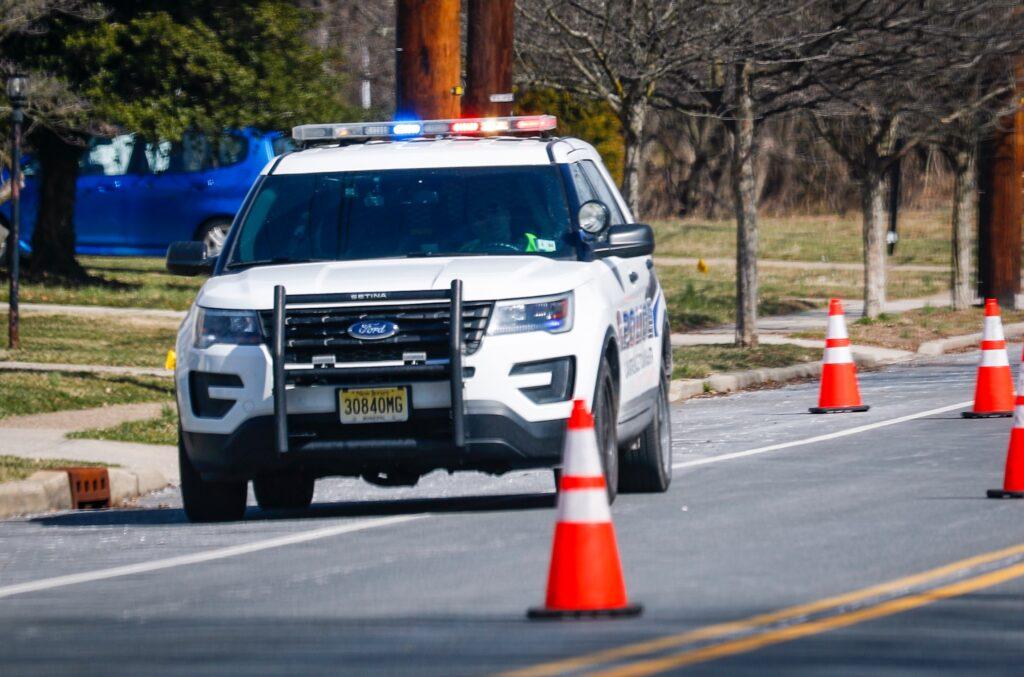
x: 635, y: 327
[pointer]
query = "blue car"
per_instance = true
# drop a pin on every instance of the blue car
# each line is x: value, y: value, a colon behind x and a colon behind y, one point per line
x: 135, y: 197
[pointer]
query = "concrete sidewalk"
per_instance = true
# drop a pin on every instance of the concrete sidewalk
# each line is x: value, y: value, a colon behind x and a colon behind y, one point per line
x: 801, y: 265
x: 102, y: 311
x: 42, y: 436
x: 85, y: 369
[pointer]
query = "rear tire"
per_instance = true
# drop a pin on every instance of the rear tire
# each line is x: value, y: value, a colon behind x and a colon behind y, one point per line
x: 647, y: 468
x: 209, y: 501
x: 291, y: 491
x: 606, y: 428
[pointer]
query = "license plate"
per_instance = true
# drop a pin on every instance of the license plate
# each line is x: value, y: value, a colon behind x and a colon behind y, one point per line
x: 373, y: 405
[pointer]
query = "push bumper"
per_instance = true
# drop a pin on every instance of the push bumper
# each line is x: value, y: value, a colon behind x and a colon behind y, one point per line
x: 496, y: 440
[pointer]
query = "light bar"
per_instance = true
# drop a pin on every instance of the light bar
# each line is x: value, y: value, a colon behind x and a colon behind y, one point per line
x: 394, y: 130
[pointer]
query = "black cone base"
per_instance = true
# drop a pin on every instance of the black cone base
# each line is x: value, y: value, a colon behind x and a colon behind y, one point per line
x: 838, y: 410
x: 1002, y: 493
x: 986, y: 414
x: 542, y: 614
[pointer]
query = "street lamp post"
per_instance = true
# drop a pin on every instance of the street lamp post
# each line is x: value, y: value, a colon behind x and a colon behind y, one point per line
x: 17, y: 92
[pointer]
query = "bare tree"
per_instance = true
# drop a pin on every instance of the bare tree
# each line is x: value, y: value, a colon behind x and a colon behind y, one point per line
x: 924, y: 66
x: 617, y: 51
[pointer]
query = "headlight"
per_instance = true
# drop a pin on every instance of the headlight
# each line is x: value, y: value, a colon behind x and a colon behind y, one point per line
x: 235, y: 327
x: 552, y: 314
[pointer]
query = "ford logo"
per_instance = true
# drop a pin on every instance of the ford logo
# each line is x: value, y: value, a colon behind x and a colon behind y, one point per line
x: 372, y: 330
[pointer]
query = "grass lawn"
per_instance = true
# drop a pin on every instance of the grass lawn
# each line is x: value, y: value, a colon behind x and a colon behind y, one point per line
x: 92, y: 340
x: 13, y: 468
x: 924, y: 238
x: 36, y: 393
x: 909, y: 330
x: 702, y: 361
x: 160, y: 430
x: 117, y: 281
x: 697, y: 300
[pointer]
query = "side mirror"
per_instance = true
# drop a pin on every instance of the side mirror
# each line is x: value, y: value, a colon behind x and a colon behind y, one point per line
x: 626, y: 240
x: 189, y: 258
x: 593, y: 216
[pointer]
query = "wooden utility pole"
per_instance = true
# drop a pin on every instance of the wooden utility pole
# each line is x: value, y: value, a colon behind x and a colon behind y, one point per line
x: 1000, y: 203
x: 427, y: 59
x: 489, y: 58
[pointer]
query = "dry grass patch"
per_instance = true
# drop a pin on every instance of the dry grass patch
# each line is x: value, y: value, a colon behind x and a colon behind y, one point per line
x: 23, y: 392
x: 160, y: 430
x: 924, y: 238
x: 14, y: 468
x: 907, y: 331
x: 703, y: 360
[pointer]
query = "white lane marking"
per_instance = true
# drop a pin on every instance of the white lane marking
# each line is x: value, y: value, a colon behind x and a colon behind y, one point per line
x: 821, y: 438
x: 205, y: 556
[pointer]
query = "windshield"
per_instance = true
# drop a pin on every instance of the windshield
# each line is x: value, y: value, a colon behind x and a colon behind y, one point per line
x: 405, y: 212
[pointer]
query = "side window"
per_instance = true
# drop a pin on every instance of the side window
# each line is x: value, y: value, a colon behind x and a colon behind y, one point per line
x: 231, y: 149
x: 111, y: 157
x: 283, y: 144
x: 604, y: 193
x: 583, y: 190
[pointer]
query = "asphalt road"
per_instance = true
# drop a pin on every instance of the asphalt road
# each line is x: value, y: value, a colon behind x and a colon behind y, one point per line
x: 437, y: 579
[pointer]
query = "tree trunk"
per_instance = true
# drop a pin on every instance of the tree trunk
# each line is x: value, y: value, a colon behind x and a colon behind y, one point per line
x: 53, y: 238
x: 873, y: 209
x: 965, y: 205
x: 633, y: 121
x: 744, y: 188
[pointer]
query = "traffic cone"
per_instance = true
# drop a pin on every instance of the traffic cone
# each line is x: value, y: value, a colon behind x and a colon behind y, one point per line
x: 1013, y: 479
x: 993, y: 391
x: 585, y: 578
x: 839, y: 391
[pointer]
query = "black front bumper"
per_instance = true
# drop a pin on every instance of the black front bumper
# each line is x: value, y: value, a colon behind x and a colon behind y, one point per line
x: 496, y: 440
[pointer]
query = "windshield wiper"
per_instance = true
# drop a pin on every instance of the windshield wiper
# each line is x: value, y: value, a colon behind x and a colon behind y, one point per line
x: 425, y: 255
x: 269, y: 262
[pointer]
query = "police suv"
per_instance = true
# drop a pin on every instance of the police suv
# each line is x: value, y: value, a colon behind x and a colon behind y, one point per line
x: 401, y: 297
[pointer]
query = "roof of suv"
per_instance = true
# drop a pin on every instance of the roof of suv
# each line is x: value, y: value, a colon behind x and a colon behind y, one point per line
x: 420, y: 153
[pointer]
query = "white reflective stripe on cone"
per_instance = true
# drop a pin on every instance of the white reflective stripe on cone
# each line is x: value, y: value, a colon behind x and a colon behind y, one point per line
x: 581, y: 458
x: 836, y: 327
x: 584, y: 506
x: 994, y: 358
x: 840, y: 355
x: 1018, y: 416
x: 993, y: 330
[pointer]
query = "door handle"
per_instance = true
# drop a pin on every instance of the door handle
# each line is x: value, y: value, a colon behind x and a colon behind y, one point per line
x: 633, y: 277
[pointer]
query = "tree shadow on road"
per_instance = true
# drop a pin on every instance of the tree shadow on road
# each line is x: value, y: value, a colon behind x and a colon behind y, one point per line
x: 410, y: 506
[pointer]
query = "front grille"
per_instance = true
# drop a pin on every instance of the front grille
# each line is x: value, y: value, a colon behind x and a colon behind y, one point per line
x: 422, y: 328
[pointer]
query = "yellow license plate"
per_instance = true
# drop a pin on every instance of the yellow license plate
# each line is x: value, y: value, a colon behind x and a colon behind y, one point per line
x: 373, y: 405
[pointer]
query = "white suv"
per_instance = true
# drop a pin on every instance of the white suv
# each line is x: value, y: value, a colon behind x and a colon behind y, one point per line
x: 323, y: 342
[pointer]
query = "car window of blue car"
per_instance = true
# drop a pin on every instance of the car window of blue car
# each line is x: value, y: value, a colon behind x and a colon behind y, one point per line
x: 197, y: 153
x: 116, y: 156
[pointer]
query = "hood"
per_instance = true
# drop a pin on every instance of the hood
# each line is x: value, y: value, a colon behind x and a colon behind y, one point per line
x: 484, y: 278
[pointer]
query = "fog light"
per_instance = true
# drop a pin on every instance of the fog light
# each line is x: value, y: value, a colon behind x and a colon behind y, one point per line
x: 563, y: 377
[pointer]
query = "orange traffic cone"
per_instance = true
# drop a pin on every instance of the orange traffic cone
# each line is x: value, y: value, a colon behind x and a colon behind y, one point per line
x: 1013, y: 480
x: 993, y: 391
x: 839, y: 391
x: 585, y: 578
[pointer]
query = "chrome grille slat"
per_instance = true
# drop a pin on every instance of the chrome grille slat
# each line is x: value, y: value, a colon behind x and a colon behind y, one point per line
x: 422, y: 328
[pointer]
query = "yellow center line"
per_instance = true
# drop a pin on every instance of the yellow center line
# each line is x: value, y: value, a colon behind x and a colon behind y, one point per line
x: 760, y: 620
x: 731, y: 648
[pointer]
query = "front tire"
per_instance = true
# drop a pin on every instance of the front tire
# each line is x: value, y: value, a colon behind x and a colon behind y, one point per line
x: 209, y: 501
x: 606, y: 427
x: 292, y: 491
x: 647, y: 468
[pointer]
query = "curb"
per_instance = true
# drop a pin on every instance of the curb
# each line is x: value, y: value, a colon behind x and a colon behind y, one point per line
x: 686, y: 388
x: 85, y: 369
x: 942, y: 346
x: 49, y: 490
